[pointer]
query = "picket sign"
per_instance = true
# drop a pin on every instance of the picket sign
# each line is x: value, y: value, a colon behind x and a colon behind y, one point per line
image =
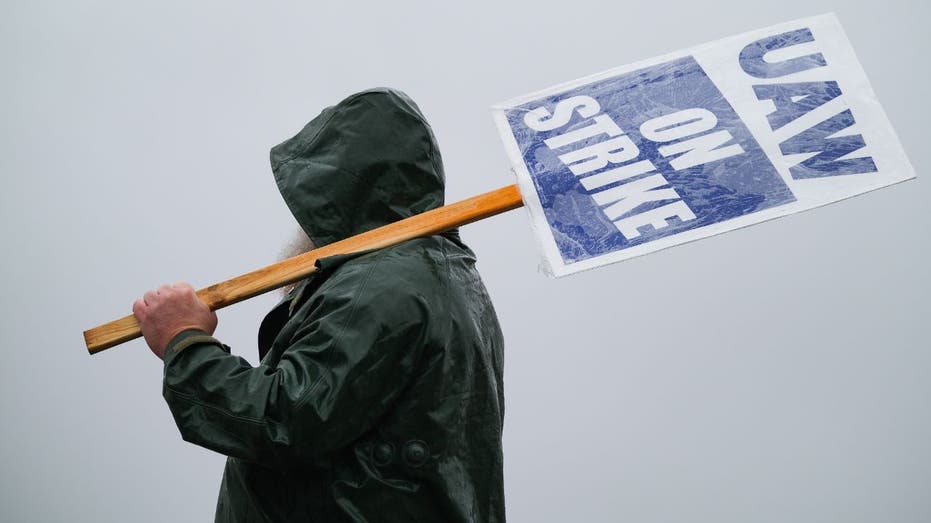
x: 698, y: 142
x: 658, y: 153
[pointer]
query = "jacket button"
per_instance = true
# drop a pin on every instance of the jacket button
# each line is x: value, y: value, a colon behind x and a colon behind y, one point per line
x: 415, y: 453
x: 383, y: 454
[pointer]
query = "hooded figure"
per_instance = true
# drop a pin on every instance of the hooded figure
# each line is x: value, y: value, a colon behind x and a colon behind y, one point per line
x: 379, y: 395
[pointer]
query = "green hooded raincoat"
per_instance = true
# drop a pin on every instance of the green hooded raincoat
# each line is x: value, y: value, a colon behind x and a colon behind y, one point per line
x: 379, y: 395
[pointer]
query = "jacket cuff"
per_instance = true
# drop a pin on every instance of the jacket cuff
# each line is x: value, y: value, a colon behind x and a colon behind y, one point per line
x: 187, y: 338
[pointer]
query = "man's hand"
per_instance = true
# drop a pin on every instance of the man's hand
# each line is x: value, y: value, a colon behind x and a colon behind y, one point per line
x: 165, y: 312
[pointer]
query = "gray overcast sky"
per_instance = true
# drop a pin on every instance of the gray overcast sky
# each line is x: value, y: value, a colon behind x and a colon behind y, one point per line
x: 775, y: 373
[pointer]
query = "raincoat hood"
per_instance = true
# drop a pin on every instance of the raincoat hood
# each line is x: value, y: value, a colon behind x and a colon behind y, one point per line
x: 368, y: 161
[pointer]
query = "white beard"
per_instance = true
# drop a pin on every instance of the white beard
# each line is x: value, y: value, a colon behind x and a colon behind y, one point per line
x: 299, y: 244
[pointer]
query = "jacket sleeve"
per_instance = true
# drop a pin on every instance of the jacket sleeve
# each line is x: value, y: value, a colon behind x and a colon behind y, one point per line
x: 345, y: 366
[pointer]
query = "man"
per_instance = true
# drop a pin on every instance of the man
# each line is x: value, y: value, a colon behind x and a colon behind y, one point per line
x: 379, y: 396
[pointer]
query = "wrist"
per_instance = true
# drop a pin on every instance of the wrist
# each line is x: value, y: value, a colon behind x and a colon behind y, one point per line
x: 188, y: 338
x: 183, y: 338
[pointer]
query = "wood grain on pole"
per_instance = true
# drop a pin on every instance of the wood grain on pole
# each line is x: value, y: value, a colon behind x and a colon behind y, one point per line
x: 299, y: 267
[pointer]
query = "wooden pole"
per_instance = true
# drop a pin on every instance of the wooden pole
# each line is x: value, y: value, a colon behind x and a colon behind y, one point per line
x: 299, y: 267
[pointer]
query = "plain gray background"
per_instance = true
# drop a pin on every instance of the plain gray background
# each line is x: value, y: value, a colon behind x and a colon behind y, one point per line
x: 775, y: 373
